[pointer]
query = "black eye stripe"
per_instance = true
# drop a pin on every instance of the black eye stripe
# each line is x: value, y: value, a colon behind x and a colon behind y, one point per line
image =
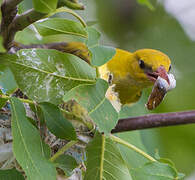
x: 141, y: 64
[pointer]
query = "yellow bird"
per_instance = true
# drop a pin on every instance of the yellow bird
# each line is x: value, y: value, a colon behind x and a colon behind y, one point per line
x: 128, y: 73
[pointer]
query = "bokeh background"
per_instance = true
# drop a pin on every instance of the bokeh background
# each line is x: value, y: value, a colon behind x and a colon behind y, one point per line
x: 171, y: 29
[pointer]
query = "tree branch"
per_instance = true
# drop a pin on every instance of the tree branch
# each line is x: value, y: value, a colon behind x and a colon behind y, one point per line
x: 155, y: 120
x: 19, y: 23
x: 8, y: 11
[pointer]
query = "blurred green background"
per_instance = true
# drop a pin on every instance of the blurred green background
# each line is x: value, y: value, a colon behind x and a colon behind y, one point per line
x: 128, y: 25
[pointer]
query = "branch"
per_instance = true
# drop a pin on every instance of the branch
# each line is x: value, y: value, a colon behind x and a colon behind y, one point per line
x: 155, y: 120
x: 8, y: 11
x: 19, y: 23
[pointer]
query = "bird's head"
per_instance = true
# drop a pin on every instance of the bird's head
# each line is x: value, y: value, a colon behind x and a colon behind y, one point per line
x: 148, y: 65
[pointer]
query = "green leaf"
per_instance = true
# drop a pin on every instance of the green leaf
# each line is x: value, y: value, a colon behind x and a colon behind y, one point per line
x: 132, y: 158
x: 7, y: 81
x: 56, y: 122
x: 60, y: 26
x: 27, y: 36
x: 169, y: 162
x: 27, y: 145
x: 67, y: 163
x: 10, y: 174
x: 101, y: 54
x: 37, y: 110
x: 104, y: 160
x: 46, y: 75
x: 45, y: 6
x: 24, y: 6
x: 92, y: 98
x: 69, y: 11
x: 155, y: 170
x: 146, y: 3
x: 93, y: 37
x: 46, y: 150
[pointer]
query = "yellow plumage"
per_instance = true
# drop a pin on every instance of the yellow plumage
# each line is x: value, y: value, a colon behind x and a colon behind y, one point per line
x: 128, y: 78
x: 127, y: 73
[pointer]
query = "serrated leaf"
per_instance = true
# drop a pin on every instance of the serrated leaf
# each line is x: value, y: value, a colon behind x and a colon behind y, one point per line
x: 7, y: 81
x: 11, y: 174
x: 92, y: 98
x: 45, y: 6
x: 60, y: 26
x: 46, y: 75
x: 101, y: 54
x: 67, y: 163
x: 155, y: 170
x: 104, y: 160
x: 28, y: 146
x: 56, y: 122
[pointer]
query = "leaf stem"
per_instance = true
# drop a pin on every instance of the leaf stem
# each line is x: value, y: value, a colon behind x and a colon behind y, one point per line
x: 131, y: 146
x: 62, y: 150
x: 21, y: 99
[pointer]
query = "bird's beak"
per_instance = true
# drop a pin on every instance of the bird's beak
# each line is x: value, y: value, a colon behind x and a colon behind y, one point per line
x: 161, y: 71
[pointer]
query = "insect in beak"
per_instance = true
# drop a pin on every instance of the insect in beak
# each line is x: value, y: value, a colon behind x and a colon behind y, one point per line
x: 164, y: 82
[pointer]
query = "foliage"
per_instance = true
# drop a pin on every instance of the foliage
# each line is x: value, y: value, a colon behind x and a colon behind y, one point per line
x: 51, y: 79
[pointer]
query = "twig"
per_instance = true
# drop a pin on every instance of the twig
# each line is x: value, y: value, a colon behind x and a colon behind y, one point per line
x: 155, y: 120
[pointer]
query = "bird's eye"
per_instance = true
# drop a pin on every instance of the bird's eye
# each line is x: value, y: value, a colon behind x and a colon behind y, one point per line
x: 169, y: 67
x: 141, y: 64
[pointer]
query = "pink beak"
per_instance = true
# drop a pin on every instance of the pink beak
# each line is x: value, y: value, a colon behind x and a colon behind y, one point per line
x: 161, y: 71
